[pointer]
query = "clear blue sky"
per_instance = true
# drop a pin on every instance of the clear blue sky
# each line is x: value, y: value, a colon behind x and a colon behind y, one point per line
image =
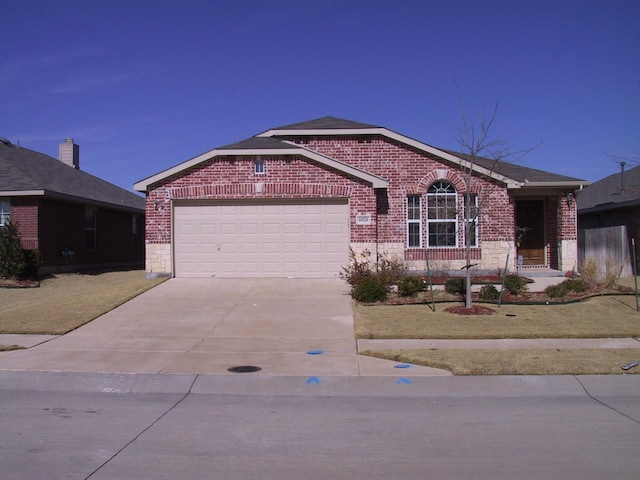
x: 144, y: 85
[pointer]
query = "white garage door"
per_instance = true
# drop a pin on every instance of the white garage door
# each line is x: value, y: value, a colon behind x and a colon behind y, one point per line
x: 265, y: 239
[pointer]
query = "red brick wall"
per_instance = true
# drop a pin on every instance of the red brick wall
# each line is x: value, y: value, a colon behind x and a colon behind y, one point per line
x: 51, y: 226
x: 411, y: 172
x: 407, y: 170
x: 24, y: 213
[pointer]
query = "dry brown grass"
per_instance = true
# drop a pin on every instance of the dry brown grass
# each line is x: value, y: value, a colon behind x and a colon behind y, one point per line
x: 64, y: 302
x: 519, y: 362
x: 598, y: 317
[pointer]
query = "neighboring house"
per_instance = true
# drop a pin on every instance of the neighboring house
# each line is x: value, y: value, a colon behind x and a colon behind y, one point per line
x: 77, y: 221
x: 293, y: 200
x: 608, y: 218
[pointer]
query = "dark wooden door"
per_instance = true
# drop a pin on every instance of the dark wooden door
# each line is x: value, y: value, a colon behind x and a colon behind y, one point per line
x: 530, y: 241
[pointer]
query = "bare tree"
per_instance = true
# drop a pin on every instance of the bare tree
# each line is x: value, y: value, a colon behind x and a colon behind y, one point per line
x: 479, y: 148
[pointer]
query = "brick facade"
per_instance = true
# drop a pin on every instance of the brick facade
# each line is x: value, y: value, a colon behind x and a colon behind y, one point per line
x: 408, y: 171
x: 52, y: 226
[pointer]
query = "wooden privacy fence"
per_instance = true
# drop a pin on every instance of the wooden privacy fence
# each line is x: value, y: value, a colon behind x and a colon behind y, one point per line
x: 609, y: 247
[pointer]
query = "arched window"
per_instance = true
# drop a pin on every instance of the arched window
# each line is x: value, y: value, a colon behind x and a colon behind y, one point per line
x: 442, y: 215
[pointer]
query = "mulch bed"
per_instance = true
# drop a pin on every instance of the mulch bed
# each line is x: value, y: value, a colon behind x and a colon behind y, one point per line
x: 475, y: 310
x: 13, y: 283
x: 539, y: 298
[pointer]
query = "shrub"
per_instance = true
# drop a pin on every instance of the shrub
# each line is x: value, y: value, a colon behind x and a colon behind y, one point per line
x: 389, y: 270
x: 576, y: 285
x: 455, y: 285
x: 32, y: 260
x: 590, y: 270
x: 489, y: 293
x: 12, y: 261
x: 515, y: 284
x: 612, y: 273
x: 358, y: 268
x: 370, y: 290
x: 556, y: 291
x: 562, y: 289
x: 386, y: 271
x: 410, y: 286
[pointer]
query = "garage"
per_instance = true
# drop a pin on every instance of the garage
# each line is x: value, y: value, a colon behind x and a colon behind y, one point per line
x: 261, y: 238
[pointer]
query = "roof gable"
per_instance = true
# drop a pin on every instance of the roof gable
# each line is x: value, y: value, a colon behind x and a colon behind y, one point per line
x: 257, y: 146
x: 27, y: 172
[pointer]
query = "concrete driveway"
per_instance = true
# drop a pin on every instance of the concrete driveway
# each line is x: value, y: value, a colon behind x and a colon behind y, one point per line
x: 205, y: 326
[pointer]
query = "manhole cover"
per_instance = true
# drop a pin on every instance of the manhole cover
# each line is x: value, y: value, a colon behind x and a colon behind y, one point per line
x: 244, y: 369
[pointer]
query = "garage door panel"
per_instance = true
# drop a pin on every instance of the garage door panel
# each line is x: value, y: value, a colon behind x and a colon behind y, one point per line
x: 306, y: 239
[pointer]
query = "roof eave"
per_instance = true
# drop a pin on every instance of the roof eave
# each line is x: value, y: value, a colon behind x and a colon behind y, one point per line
x: 22, y: 193
x: 602, y: 207
x: 575, y: 184
x: 69, y: 198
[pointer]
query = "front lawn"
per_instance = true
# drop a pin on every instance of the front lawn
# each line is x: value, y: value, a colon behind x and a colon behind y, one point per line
x: 64, y: 302
x: 596, y: 317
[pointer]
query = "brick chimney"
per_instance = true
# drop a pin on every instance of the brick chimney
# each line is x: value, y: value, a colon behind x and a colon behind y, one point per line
x: 70, y: 153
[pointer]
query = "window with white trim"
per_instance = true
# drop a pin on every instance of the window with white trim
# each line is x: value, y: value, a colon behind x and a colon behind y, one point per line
x: 5, y: 211
x: 414, y: 221
x: 442, y: 215
x: 258, y: 167
x: 471, y: 199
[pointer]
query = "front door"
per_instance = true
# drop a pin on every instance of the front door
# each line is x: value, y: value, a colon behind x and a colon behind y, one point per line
x: 530, y: 241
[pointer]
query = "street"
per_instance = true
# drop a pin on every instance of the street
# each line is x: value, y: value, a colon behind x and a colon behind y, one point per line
x: 79, y: 426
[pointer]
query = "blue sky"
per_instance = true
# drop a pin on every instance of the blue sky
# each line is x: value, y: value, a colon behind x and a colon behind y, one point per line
x: 144, y: 85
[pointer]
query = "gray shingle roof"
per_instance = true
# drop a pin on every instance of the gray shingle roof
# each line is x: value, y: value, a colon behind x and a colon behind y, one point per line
x: 514, y: 171
x: 606, y: 193
x: 326, y: 123
x: 24, y: 170
x: 267, y: 143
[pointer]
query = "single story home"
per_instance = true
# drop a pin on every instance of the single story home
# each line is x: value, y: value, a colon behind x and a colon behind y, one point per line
x: 608, y: 218
x: 76, y: 221
x: 294, y: 200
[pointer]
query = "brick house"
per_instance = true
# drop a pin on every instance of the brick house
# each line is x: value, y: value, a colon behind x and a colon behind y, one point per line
x: 77, y: 221
x: 293, y: 200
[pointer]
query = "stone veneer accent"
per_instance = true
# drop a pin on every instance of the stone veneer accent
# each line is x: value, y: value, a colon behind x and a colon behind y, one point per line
x: 158, y: 258
x: 568, y: 252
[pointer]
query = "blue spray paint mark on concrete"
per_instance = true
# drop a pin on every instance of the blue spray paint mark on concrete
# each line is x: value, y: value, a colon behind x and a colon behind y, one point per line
x: 403, y: 380
x: 402, y: 365
x: 313, y: 380
x: 315, y: 352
